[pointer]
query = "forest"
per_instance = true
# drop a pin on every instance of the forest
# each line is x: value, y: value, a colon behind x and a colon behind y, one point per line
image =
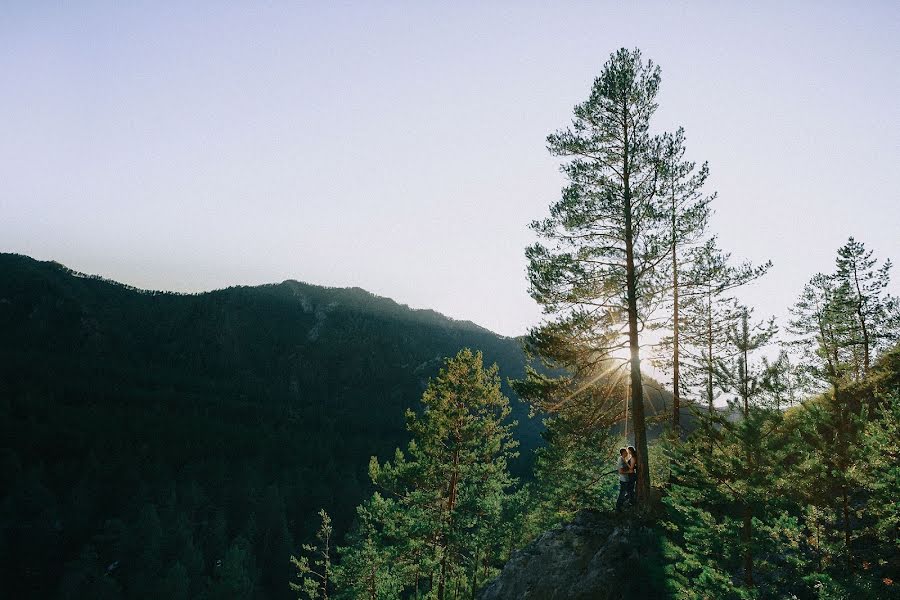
x: 295, y: 441
x: 144, y: 435
x: 789, y: 492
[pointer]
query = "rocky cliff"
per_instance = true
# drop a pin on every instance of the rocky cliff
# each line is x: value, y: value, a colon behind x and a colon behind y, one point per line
x: 598, y: 556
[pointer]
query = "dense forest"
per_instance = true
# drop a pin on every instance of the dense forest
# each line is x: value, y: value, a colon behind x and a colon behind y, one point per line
x: 294, y: 441
x: 789, y: 492
x: 155, y: 441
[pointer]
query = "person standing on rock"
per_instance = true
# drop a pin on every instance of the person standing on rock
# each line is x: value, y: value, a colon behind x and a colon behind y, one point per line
x: 625, y: 472
x: 632, y: 466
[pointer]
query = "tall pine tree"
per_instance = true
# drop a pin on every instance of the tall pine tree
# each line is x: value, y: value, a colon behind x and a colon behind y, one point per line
x: 597, y: 270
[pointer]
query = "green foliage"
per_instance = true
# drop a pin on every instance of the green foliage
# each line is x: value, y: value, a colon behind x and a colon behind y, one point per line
x: 687, y: 212
x: 723, y: 515
x: 572, y: 472
x: 863, y: 284
x: 373, y: 564
x: 736, y: 372
x: 438, y: 521
x: 314, y: 567
x: 879, y: 475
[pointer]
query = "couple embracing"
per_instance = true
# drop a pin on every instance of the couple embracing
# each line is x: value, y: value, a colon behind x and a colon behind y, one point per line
x: 627, y: 468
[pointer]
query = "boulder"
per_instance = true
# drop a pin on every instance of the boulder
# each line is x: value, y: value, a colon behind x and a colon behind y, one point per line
x: 598, y: 556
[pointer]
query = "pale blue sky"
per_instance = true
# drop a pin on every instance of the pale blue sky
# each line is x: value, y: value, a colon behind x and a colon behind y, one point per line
x: 399, y: 147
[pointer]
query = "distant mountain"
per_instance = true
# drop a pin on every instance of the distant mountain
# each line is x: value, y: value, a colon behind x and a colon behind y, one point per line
x: 221, y: 418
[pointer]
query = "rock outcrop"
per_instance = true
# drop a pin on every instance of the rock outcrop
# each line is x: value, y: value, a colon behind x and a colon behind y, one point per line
x: 598, y: 556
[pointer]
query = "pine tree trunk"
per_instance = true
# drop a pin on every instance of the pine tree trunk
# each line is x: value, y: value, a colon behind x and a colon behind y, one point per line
x: 862, y: 321
x: 745, y: 371
x: 676, y: 375
x: 709, y: 349
x: 451, y: 501
x: 637, y: 388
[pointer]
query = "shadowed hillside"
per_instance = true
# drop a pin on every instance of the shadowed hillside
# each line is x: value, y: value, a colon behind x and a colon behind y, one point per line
x: 209, y: 423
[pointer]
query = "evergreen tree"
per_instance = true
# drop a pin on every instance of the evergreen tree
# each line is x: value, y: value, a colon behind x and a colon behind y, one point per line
x: 372, y: 563
x: 709, y: 313
x: 314, y: 569
x: 735, y: 372
x: 875, y: 324
x: 880, y: 445
x: 235, y: 577
x: 435, y: 525
x: 681, y: 185
x: 824, y: 330
x: 598, y: 271
x: 779, y: 380
x: 725, y: 506
x: 571, y: 472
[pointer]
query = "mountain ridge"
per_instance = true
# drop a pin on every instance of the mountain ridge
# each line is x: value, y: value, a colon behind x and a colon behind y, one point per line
x: 352, y: 289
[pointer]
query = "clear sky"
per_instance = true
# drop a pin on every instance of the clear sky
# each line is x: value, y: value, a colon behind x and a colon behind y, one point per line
x: 399, y: 146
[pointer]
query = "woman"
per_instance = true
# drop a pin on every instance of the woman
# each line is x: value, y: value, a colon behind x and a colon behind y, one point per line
x: 633, y: 472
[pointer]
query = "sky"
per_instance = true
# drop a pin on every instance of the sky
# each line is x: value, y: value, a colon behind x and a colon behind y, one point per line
x: 400, y: 146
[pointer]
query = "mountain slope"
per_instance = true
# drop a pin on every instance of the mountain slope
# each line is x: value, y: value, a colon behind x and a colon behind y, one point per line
x: 149, y: 436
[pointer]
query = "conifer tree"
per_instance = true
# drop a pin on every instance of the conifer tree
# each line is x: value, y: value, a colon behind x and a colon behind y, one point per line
x: 314, y: 568
x: 687, y: 208
x: 571, y: 472
x: 435, y: 525
x: 709, y: 313
x: 881, y: 445
x: 725, y: 502
x: 371, y: 565
x: 235, y: 577
x: 736, y: 373
x: 824, y: 331
x: 598, y: 269
x: 864, y: 283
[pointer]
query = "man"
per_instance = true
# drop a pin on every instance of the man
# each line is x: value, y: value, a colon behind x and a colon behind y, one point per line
x: 632, y: 461
x: 624, y: 479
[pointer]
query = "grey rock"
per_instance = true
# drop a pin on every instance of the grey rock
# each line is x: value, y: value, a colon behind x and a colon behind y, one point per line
x: 597, y: 556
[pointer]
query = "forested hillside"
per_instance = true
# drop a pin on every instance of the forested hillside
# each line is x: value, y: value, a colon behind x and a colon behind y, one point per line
x: 178, y: 440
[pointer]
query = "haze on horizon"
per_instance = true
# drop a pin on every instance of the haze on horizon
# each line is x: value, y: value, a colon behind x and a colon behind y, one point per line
x: 400, y: 147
